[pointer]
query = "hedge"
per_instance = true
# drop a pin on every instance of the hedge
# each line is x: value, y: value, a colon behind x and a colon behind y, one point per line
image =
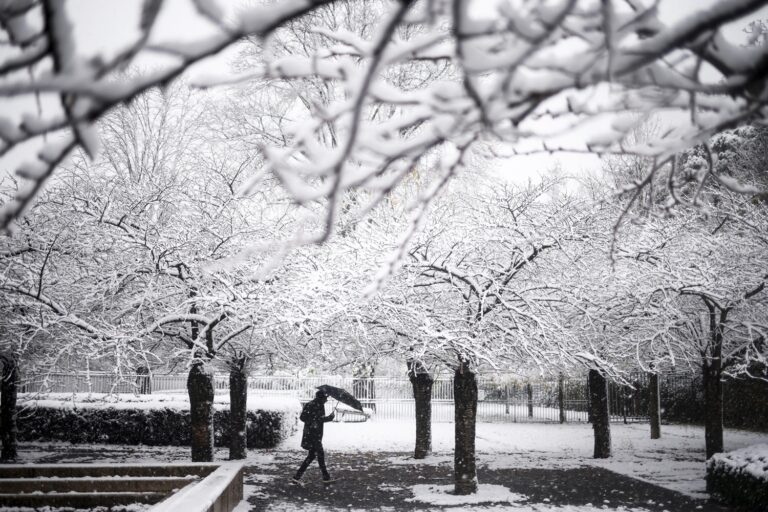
x: 740, y: 478
x: 153, y: 421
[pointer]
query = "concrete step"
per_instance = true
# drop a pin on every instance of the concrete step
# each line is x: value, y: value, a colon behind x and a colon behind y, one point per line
x: 94, y: 484
x: 80, y: 500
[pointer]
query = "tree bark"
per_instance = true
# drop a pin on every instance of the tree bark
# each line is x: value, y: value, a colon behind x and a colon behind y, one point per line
x: 561, y: 397
x: 529, y: 389
x: 143, y: 381
x: 654, y: 405
x: 598, y: 404
x: 422, y: 382
x: 9, y: 389
x: 363, y: 385
x: 200, y: 389
x: 238, y: 410
x: 465, y: 400
x: 590, y: 418
x: 712, y: 367
x: 713, y: 407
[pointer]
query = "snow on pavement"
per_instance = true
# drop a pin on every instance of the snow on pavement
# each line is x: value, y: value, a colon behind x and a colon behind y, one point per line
x: 676, y: 461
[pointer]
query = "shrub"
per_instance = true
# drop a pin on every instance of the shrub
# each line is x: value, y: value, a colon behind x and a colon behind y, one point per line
x: 156, y: 420
x: 740, y: 477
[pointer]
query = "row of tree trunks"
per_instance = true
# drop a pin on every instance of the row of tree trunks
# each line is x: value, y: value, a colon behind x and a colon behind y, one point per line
x: 9, y: 390
x: 422, y: 381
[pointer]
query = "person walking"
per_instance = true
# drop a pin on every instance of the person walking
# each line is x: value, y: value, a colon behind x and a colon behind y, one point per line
x: 313, y: 416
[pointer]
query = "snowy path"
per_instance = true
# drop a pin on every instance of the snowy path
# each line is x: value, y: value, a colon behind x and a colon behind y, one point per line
x: 676, y: 461
x: 506, y: 453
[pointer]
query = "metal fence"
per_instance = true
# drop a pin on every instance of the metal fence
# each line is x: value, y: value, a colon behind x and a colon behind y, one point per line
x: 500, y: 398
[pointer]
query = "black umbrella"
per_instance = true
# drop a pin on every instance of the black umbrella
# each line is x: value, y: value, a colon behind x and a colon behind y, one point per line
x: 342, y: 395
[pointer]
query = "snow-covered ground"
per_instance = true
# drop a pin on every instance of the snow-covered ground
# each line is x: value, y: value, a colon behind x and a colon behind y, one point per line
x: 676, y: 461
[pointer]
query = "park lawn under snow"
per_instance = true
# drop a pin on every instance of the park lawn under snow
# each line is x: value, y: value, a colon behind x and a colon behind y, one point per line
x: 676, y: 461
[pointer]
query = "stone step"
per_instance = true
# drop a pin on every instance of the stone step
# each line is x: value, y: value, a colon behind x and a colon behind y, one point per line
x: 94, y: 484
x: 80, y: 500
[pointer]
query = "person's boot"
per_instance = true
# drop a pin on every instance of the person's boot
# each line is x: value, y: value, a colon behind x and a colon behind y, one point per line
x: 329, y: 480
x: 297, y: 481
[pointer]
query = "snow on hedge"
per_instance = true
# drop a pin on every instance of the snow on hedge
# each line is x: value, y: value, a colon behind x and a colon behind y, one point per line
x: 739, y: 477
x: 752, y: 461
x: 154, y: 401
x: 158, y: 420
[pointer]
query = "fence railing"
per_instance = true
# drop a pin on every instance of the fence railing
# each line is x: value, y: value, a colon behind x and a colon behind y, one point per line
x: 500, y: 398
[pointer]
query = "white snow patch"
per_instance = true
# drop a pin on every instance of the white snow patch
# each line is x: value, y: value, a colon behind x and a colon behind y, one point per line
x: 443, y: 495
x: 429, y: 460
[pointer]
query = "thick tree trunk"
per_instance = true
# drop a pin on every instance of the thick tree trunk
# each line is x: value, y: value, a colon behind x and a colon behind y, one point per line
x: 713, y: 407
x: 200, y: 389
x: 598, y: 404
x: 9, y: 389
x: 654, y: 405
x: 238, y: 398
x: 561, y: 397
x: 422, y: 382
x: 529, y: 390
x: 465, y: 400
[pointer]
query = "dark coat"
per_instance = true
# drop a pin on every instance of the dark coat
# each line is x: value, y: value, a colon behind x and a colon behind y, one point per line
x: 313, y: 416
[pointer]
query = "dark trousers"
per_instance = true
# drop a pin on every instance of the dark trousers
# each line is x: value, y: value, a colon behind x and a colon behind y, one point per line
x: 315, y: 451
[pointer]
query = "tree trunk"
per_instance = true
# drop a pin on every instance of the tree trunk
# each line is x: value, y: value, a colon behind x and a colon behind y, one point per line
x: 238, y: 398
x: 590, y: 419
x: 561, y: 397
x: 363, y: 385
x: 422, y: 382
x: 9, y: 389
x: 200, y: 389
x: 143, y: 381
x: 529, y: 389
x: 465, y: 400
x: 598, y: 405
x: 713, y: 407
x: 654, y: 405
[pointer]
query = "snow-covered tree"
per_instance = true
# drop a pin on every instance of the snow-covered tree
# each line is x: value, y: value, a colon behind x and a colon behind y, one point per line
x: 517, y: 64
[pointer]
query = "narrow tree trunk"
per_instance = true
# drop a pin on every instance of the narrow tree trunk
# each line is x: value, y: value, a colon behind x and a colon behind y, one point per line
x: 9, y: 390
x: 422, y: 382
x: 598, y: 404
x: 238, y: 399
x: 654, y: 405
x: 590, y: 418
x: 561, y: 397
x: 200, y: 389
x: 712, y: 367
x: 713, y: 407
x: 529, y: 389
x: 465, y: 400
x: 143, y: 381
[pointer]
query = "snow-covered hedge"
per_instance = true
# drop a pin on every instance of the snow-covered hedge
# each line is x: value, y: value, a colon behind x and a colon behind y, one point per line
x: 740, y: 477
x: 148, y: 419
